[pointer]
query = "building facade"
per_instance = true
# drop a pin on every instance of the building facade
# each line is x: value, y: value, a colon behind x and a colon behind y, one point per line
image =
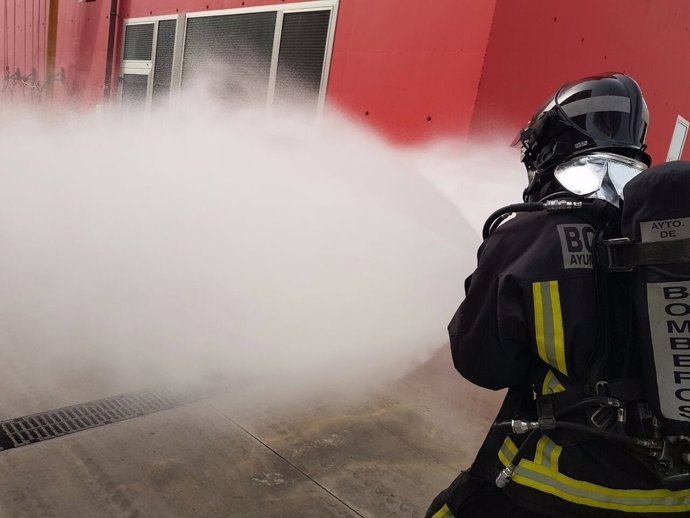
x: 414, y: 70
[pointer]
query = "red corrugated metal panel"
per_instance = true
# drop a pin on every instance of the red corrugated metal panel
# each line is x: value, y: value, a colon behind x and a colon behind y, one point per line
x: 23, y: 28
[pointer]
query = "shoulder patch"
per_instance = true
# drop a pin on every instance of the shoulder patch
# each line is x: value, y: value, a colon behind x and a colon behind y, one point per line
x: 576, y: 245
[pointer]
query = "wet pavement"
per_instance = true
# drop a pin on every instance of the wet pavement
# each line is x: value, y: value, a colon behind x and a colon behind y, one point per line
x: 376, y: 455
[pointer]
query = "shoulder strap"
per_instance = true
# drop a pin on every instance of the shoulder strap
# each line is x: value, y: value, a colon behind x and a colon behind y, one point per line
x: 624, y: 254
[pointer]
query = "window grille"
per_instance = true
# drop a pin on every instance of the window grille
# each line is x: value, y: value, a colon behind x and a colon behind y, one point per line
x: 165, y: 50
x: 234, y: 51
x: 138, y: 42
x: 303, y: 42
x: 134, y: 88
x: 266, y: 54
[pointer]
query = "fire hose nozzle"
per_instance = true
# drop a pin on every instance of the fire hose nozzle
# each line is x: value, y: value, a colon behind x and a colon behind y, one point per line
x: 504, y: 477
x: 520, y: 427
x: 558, y: 205
x: 516, y: 427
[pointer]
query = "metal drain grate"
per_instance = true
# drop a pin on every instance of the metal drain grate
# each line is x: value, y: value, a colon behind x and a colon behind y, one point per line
x: 33, y: 428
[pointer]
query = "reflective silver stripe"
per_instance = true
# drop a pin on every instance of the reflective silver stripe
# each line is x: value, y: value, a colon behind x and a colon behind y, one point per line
x: 549, y: 324
x: 602, y: 103
x: 547, y: 453
x: 507, y: 451
x: 549, y: 450
x: 542, y: 474
x: 549, y: 481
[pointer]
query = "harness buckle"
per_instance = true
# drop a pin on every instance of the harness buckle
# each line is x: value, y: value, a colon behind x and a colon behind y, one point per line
x: 603, y: 417
x: 547, y: 422
x: 609, y: 253
x: 601, y: 388
x: 547, y: 418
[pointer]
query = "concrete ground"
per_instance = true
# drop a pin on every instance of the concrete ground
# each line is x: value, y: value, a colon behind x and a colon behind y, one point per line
x: 386, y: 454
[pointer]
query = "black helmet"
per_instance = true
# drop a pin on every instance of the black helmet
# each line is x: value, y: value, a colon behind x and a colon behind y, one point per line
x: 603, y: 113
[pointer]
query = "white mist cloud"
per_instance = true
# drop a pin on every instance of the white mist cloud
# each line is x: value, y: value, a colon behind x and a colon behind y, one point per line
x: 203, y: 241
x: 477, y: 177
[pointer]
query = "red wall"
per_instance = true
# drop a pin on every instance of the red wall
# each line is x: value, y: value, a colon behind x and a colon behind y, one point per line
x: 407, y: 68
x: 419, y: 69
x: 410, y: 70
x: 81, y: 46
x: 532, y: 52
x: 83, y: 36
x: 81, y: 49
x: 22, y: 45
x: 82, y: 39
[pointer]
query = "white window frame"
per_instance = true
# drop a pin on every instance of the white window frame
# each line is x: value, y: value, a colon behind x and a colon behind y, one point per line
x: 148, y: 67
x: 683, y: 125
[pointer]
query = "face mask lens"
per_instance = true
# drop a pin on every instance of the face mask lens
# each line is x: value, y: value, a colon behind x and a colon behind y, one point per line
x: 582, y: 176
x: 620, y: 174
x: 601, y: 175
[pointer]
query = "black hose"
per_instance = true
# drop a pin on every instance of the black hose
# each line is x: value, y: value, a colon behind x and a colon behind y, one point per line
x: 554, y: 202
x: 603, y: 433
x: 520, y: 453
x: 504, y: 212
x: 594, y: 400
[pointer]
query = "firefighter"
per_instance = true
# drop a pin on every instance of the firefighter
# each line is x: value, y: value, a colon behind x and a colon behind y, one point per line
x: 540, y: 320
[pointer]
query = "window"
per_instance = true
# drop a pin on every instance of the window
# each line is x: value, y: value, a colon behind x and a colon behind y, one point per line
x: 271, y: 53
x: 301, y: 56
x: 233, y: 51
x: 147, y: 42
x: 162, y: 71
x: 675, y: 150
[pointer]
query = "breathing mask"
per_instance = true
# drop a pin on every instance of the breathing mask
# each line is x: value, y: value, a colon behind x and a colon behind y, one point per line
x: 598, y: 175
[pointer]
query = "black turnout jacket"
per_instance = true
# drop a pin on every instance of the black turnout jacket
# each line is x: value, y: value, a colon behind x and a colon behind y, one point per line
x: 530, y: 323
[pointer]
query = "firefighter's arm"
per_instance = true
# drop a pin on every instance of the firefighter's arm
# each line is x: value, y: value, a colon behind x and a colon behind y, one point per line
x: 487, y: 333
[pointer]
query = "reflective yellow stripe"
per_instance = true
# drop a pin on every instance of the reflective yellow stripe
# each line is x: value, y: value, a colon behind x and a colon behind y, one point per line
x: 545, y: 479
x: 507, y: 451
x: 559, y: 341
x: 443, y: 512
x: 551, y: 384
x: 548, y: 324
x: 539, y: 321
x: 539, y: 453
x: 542, y: 474
x: 547, y: 453
x: 555, y: 455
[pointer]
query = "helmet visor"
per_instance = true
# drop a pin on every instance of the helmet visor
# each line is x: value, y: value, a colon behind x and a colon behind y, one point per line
x: 585, y: 175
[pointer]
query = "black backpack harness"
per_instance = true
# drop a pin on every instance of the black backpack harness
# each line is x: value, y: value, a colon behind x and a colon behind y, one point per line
x: 641, y: 284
